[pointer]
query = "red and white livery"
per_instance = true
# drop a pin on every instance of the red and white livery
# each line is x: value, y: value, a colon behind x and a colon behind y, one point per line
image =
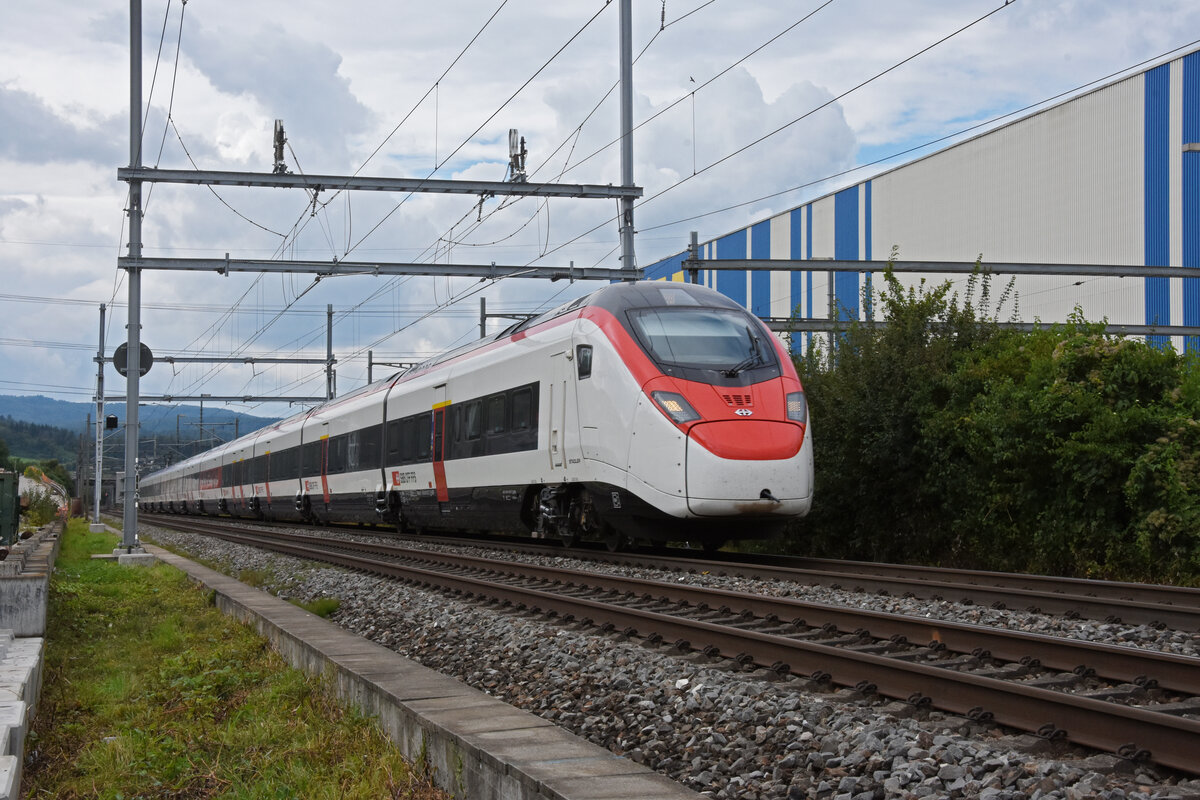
x: 651, y: 410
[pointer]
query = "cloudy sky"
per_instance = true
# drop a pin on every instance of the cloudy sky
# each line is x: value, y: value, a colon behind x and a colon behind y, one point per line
x: 410, y: 89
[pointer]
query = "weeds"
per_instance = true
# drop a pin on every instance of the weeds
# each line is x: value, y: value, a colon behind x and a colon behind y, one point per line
x: 149, y: 692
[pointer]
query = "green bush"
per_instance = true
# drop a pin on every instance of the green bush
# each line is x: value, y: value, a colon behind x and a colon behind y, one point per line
x: 944, y: 439
x: 39, y: 507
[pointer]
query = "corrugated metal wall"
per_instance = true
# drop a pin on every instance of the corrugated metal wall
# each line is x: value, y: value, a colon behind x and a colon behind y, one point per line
x: 1104, y: 178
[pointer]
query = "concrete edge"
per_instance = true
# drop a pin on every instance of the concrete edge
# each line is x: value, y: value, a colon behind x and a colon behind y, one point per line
x: 24, y: 600
x: 473, y: 745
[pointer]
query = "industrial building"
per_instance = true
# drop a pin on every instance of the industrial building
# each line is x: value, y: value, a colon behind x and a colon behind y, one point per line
x: 1110, y: 177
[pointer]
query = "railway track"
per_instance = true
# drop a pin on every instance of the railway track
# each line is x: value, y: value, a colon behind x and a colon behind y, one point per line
x: 1142, y: 705
x: 1155, y: 605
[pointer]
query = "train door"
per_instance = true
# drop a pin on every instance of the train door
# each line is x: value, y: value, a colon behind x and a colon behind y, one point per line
x: 440, y: 405
x: 325, y: 463
x: 563, y: 437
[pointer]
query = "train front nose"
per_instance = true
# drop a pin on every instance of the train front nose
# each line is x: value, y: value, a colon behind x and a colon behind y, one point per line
x: 748, y: 468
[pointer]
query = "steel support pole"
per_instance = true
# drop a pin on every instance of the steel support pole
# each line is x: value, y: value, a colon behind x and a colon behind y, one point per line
x: 482, y: 317
x: 133, y: 367
x: 694, y: 257
x: 329, y: 351
x: 98, y: 475
x: 626, y: 19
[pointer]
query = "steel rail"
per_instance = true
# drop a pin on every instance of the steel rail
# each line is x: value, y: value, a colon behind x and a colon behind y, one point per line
x: 1146, y: 592
x: 842, y: 572
x: 1180, y: 616
x: 1165, y: 739
x: 1166, y: 670
x: 1107, y: 601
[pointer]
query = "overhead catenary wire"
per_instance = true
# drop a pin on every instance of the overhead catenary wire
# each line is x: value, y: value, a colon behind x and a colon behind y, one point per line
x: 572, y: 139
x: 706, y: 83
x: 924, y: 145
x: 174, y: 80
x: 490, y: 117
x: 468, y: 139
x: 780, y: 129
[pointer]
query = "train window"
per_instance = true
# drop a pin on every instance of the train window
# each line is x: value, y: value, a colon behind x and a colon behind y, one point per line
x: 335, y: 455
x: 368, y: 448
x: 424, y: 436
x: 522, y: 409
x: 312, y: 459
x: 583, y: 360
x: 702, y: 339
x: 408, y: 440
x: 496, y: 422
x: 395, y: 450
x: 471, y: 422
x: 282, y: 465
x: 351, y: 451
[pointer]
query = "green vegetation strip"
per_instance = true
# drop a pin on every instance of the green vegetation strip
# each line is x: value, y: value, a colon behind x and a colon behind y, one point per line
x: 946, y: 439
x: 149, y: 691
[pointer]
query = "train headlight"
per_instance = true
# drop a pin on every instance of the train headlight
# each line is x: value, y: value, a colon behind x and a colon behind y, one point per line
x: 797, y: 407
x: 676, y: 407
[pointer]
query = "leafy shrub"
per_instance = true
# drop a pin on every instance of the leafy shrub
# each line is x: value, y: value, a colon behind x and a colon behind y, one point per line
x: 944, y: 439
x: 39, y: 507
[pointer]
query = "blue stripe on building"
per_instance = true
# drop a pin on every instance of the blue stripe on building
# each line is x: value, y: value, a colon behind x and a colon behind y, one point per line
x: 760, y: 281
x: 845, y: 248
x: 1191, y: 196
x: 1157, y: 222
x: 732, y: 283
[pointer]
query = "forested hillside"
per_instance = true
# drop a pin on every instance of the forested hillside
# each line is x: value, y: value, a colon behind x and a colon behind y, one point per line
x: 161, y: 420
x: 35, y: 442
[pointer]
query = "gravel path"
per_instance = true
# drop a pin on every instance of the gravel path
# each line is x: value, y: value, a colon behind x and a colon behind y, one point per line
x: 723, y: 733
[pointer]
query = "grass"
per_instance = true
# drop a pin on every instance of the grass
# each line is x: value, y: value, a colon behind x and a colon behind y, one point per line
x: 150, y: 692
x: 321, y: 606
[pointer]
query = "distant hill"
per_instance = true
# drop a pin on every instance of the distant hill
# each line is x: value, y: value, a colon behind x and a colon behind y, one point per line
x: 38, y: 442
x: 73, y: 417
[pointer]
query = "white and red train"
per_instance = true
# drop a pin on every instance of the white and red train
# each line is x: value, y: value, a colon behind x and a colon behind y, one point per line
x: 643, y: 411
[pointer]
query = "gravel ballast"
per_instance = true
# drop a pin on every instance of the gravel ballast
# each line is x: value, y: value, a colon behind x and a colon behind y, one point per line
x: 719, y: 731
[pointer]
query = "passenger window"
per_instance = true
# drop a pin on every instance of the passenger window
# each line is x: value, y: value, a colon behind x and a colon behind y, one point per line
x: 395, y: 451
x: 583, y: 357
x: 471, y: 422
x: 496, y: 422
x: 424, y: 436
x: 521, y: 408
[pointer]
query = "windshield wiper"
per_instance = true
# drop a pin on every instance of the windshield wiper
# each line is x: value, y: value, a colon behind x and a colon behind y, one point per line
x: 755, y: 358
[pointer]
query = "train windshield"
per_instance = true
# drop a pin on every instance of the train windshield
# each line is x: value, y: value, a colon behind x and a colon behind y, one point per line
x: 711, y: 339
